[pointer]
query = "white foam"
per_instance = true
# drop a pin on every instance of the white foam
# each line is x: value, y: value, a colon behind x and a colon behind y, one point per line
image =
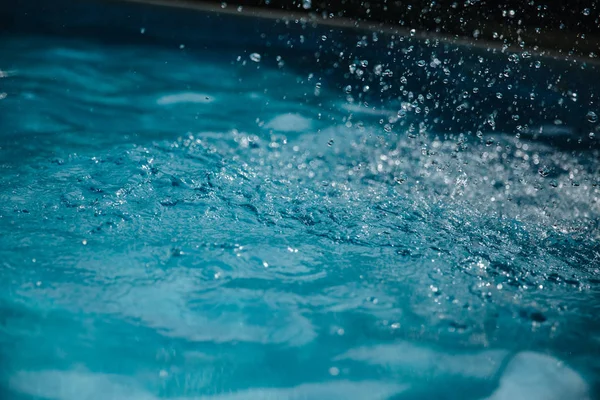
x: 533, y: 376
x: 337, y: 390
x: 75, y: 385
x: 420, y: 360
x: 527, y: 376
x: 185, y: 97
x: 289, y: 122
x: 71, y: 385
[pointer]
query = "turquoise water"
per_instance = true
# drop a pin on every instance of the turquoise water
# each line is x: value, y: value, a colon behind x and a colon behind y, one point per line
x: 191, y: 224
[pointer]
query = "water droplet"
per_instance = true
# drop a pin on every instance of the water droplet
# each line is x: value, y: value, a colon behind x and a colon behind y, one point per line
x: 306, y: 4
x: 412, y: 32
x: 592, y: 117
x: 538, y: 64
x: 572, y: 95
x: 280, y: 62
x: 323, y: 37
x: 255, y: 57
x: 586, y: 11
x: 421, y: 63
x: 499, y: 95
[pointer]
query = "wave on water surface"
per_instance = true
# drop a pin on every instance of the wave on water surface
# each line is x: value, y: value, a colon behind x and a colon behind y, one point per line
x: 220, y: 230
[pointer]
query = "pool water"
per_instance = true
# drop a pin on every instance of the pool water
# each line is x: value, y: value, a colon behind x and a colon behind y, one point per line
x: 203, y: 224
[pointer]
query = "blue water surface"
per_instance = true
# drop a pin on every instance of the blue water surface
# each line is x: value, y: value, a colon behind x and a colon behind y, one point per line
x: 203, y: 224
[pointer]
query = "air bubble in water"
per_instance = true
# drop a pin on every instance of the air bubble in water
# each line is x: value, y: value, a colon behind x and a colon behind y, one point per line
x: 586, y: 11
x: 306, y: 4
x: 544, y: 172
x: 255, y: 57
x: 592, y: 117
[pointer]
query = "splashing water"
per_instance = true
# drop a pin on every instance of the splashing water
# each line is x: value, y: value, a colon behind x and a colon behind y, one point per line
x: 179, y: 225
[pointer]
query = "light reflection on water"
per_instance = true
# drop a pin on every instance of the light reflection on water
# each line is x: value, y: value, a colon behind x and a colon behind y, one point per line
x: 183, y: 225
